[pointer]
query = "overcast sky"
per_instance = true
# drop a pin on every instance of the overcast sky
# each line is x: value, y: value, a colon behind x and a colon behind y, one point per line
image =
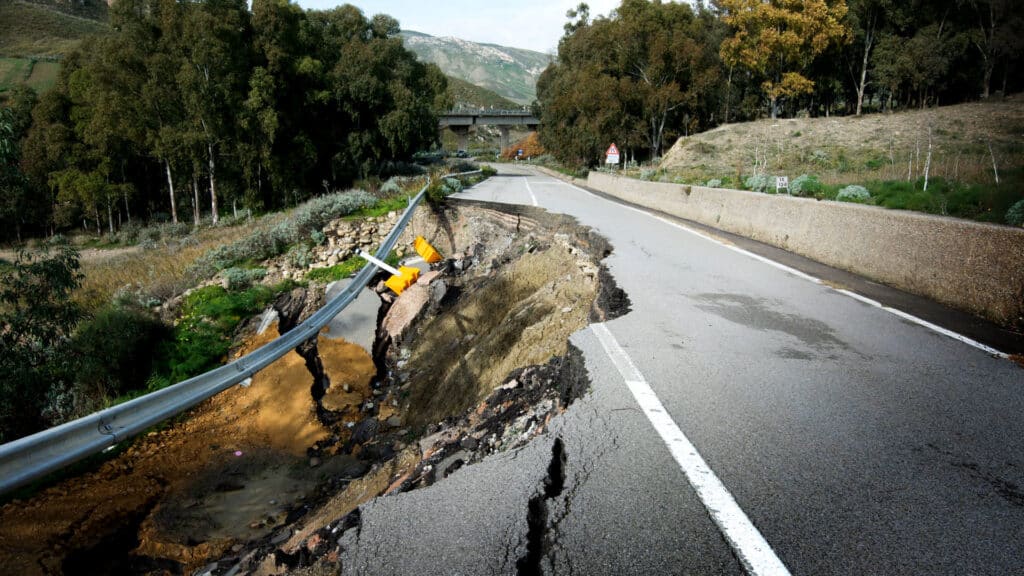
x: 533, y: 24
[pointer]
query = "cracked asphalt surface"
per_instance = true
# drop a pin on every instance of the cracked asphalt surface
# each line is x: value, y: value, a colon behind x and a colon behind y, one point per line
x: 856, y: 442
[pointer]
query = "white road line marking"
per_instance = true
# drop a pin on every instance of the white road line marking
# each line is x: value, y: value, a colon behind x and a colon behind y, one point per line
x: 530, y: 190
x: 746, y: 540
x: 793, y: 271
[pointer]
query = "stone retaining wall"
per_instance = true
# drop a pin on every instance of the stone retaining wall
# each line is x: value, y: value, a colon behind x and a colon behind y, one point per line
x: 968, y: 265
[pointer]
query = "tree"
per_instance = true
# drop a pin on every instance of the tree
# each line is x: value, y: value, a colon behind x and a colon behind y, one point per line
x: 661, y: 48
x: 37, y: 316
x: 779, y: 39
x: 996, y: 35
x: 636, y: 78
x: 866, y: 20
x: 213, y: 76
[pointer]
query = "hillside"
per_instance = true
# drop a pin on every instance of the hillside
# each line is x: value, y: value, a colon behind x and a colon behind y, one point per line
x: 887, y: 153
x: 846, y: 149
x: 42, y: 30
x: 510, y: 72
x: 469, y: 95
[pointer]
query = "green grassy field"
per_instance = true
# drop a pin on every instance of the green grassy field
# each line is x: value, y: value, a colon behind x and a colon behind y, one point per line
x: 467, y: 94
x: 41, y: 75
x: 13, y: 71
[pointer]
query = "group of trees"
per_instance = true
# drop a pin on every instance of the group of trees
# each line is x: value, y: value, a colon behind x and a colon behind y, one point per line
x: 186, y: 106
x: 652, y: 71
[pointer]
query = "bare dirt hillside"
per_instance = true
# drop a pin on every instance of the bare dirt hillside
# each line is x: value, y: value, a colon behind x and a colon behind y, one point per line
x: 851, y: 149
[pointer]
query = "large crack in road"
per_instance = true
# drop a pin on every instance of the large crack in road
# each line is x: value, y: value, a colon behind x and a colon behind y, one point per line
x: 271, y: 478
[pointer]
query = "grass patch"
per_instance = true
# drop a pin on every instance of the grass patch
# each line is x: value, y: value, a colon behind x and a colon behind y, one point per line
x: 203, y: 336
x: 43, y: 75
x: 337, y: 272
x: 980, y: 202
x: 381, y: 208
x: 159, y: 273
x: 13, y: 71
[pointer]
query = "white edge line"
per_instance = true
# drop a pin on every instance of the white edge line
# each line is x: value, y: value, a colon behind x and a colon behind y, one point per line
x: 530, y: 190
x: 749, y: 545
x: 909, y: 317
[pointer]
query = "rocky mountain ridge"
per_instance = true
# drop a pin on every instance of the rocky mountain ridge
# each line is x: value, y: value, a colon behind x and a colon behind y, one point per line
x: 509, y: 72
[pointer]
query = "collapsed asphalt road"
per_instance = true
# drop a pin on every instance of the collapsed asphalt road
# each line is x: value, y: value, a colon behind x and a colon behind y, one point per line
x: 849, y: 439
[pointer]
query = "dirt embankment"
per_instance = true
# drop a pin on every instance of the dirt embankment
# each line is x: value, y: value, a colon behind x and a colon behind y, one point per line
x: 264, y: 478
x: 873, y: 146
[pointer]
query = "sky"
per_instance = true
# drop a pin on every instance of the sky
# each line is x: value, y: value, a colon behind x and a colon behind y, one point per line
x: 533, y: 24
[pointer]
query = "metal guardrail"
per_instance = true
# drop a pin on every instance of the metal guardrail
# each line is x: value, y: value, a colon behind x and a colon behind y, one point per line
x: 32, y: 457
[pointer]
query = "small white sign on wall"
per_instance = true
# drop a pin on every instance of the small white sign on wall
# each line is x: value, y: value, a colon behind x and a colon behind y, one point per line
x: 780, y: 183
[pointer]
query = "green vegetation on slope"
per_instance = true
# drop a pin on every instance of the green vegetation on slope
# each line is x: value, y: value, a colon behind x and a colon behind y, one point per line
x: 40, y: 75
x: 33, y: 30
x: 887, y: 154
x: 465, y: 94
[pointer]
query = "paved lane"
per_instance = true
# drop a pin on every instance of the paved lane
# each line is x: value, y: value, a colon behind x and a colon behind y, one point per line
x: 851, y: 440
x: 856, y: 441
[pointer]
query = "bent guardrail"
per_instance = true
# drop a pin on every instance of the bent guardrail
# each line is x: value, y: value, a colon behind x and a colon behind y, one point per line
x: 32, y: 457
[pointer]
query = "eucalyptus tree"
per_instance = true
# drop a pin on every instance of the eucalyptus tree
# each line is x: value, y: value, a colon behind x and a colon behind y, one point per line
x: 634, y: 78
x: 216, y: 42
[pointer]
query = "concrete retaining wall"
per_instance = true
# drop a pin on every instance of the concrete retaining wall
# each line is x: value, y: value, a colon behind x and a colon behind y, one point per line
x: 968, y: 265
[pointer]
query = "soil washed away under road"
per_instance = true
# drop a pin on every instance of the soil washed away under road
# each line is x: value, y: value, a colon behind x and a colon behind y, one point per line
x: 266, y: 478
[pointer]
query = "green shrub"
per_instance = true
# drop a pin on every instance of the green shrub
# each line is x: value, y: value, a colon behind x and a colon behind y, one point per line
x: 853, y: 193
x: 36, y: 316
x: 239, y: 278
x: 874, y: 163
x: 113, y: 351
x: 714, y: 183
x: 299, y: 227
x: 392, y: 187
x: 1015, y: 215
x: 757, y: 183
x: 299, y: 256
x: 454, y: 185
x: 128, y: 234
x: 806, y: 185
x: 463, y: 166
x: 202, y: 338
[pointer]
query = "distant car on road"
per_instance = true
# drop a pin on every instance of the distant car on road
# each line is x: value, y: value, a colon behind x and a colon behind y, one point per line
x: 461, y: 154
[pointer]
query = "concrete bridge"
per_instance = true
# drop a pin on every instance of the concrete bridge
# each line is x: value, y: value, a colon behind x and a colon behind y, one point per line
x: 461, y: 120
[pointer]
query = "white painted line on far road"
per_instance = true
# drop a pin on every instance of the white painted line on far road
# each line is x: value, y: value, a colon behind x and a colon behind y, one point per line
x: 909, y: 317
x: 530, y: 190
x: 751, y: 548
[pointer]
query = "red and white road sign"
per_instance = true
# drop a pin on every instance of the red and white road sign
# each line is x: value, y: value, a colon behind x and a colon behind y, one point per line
x: 612, y: 155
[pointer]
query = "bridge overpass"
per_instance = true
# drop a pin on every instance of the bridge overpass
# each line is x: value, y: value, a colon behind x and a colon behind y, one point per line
x: 461, y: 120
